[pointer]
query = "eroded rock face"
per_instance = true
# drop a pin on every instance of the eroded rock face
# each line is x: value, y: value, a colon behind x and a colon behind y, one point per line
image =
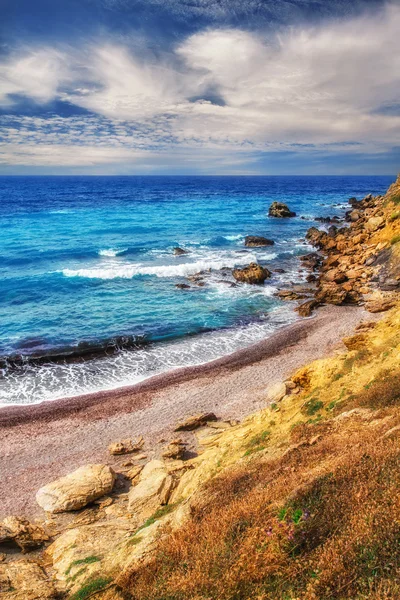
x: 25, y: 580
x: 25, y: 534
x: 77, y: 489
x: 280, y: 210
x: 254, y: 241
x: 253, y: 274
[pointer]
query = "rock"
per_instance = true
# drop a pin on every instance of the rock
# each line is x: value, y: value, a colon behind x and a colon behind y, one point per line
x: 253, y: 241
x: 195, y: 421
x: 306, y: 309
x: 146, y: 496
x: 175, y: 450
x: 279, y: 271
x: 77, y: 489
x: 276, y: 392
x: 280, y: 210
x: 253, y: 274
x: 331, y: 293
x: 179, y: 251
x: 289, y: 295
x: 25, y: 580
x: 381, y: 303
x: 311, y: 260
x: 25, y: 534
x: 134, y: 472
x: 126, y: 447
x: 374, y: 223
x: 182, y: 286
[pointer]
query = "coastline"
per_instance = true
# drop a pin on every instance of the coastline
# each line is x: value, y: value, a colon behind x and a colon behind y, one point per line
x: 44, y: 441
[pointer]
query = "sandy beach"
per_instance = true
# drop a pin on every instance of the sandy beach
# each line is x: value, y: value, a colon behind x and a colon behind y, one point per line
x: 41, y: 442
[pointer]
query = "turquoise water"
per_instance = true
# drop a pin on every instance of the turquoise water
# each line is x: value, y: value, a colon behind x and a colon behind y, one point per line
x: 87, y: 269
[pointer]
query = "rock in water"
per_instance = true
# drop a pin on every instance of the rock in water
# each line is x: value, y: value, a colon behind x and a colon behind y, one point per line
x: 254, y: 241
x: 253, y: 274
x: 77, y: 489
x: 280, y: 210
x: 179, y: 251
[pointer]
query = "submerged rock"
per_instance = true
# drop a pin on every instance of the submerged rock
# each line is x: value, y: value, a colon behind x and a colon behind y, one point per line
x: 182, y: 286
x: 254, y: 241
x: 253, y: 274
x: 280, y: 210
x: 77, y: 489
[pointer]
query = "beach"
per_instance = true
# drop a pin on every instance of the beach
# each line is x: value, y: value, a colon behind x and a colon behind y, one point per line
x: 41, y: 442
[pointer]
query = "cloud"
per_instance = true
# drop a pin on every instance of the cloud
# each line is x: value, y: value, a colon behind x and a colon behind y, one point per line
x: 226, y: 90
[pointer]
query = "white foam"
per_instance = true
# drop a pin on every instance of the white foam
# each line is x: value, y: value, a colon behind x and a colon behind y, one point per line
x: 112, y: 252
x: 129, y: 270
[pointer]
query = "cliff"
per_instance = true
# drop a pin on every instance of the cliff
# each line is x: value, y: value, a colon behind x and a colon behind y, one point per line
x: 299, y: 501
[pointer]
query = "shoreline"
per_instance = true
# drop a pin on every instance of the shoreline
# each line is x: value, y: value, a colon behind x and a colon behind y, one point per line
x: 44, y: 441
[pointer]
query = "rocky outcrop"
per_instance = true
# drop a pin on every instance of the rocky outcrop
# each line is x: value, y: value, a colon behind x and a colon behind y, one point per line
x: 126, y: 447
x: 25, y: 534
x: 25, y: 580
x: 280, y: 210
x: 77, y: 489
x: 195, y: 421
x: 254, y: 241
x: 175, y: 450
x: 253, y: 274
x: 153, y: 490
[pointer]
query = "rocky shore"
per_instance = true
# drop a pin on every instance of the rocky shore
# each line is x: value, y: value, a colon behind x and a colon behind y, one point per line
x: 111, y: 499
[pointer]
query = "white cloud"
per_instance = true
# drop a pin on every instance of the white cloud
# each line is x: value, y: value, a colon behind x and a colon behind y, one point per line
x: 323, y: 85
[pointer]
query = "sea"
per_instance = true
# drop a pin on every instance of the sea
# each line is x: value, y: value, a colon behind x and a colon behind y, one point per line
x: 88, y: 274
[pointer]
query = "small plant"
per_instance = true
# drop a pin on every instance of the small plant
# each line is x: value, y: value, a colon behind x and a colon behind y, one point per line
x: 395, y: 240
x: 135, y: 540
x: 161, y: 512
x: 96, y: 585
x: 82, y: 561
x: 313, y: 406
x: 274, y: 406
x: 394, y: 216
x: 331, y: 405
x: 257, y: 442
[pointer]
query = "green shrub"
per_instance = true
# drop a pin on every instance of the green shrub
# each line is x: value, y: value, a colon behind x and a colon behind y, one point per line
x: 82, y: 561
x: 312, y: 406
x: 96, y: 585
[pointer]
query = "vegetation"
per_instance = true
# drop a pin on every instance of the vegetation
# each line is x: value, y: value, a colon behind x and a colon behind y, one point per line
x: 316, y: 516
x: 91, y: 587
x: 82, y: 561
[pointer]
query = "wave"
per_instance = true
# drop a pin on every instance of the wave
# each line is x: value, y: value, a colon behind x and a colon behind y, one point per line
x: 128, y: 271
x: 112, y: 252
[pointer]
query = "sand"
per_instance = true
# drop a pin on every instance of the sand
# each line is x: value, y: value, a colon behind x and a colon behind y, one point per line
x: 41, y: 442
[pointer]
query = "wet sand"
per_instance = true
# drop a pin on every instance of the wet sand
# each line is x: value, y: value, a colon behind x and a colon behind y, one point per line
x: 41, y: 442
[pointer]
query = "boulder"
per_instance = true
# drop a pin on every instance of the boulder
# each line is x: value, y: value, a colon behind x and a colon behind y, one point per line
x: 25, y: 534
x: 126, y: 446
x: 175, y: 450
x: 77, y: 489
x: 253, y: 241
x: 331, y: 293
x: 253, y: 274
x: 182, y: 286
x: 289, y: 295
x: 280, y: 210
x: 25, y: 580
x: 179, y: 251
x: 374, y: 223
x: 147, y: 496
x: 195, y: 422
x: 306, y: 309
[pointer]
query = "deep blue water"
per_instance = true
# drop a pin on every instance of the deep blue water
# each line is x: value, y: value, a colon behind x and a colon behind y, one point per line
x: 89, y: 260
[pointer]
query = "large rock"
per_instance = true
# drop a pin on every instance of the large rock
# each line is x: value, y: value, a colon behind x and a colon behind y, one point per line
x: 280, y: 210
x: 195, y: 421
x: 155, y: 485
x: 306, y: 309
x: 254, y: 241
x: 25, y: 580
x: 25, y: 534
x: 77, y: 489
x: 253, y: 274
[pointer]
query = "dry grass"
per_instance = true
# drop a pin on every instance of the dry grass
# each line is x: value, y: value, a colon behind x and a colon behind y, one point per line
x: 321, y: 522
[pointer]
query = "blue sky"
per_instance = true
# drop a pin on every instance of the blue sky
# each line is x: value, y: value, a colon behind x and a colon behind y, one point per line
x: 199, y: 87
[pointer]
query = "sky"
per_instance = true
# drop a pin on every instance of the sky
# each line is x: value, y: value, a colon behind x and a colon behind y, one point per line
x: 219, y: 87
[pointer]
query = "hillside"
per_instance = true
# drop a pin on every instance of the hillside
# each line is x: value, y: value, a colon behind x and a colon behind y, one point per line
x: 298, y: 501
